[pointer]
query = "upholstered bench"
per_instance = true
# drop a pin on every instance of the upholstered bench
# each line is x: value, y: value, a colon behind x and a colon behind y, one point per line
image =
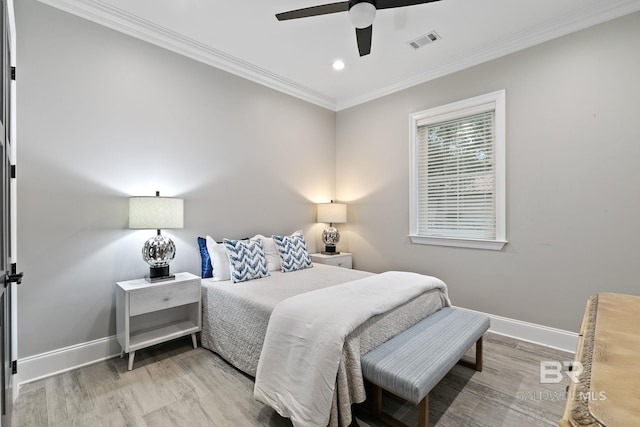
x: 410, y: 364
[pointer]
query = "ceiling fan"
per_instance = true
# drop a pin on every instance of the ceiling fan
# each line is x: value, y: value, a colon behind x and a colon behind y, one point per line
x: 361, y: 13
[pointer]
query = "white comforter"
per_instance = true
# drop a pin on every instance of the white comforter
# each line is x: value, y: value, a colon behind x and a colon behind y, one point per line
x: 299, y: 361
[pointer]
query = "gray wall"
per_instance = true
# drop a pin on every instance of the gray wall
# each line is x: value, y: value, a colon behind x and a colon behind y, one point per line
x: 573, y: 168
x: 102, y: 116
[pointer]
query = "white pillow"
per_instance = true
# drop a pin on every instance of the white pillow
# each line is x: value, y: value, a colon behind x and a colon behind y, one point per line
x: 219, y: 260
x: 270, y: 252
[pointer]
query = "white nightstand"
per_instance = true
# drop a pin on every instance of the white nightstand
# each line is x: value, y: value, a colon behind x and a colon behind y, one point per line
x: 152, y: 313
x: 343, y: 259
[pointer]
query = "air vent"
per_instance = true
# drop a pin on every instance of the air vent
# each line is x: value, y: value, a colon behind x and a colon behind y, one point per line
x: 424, y: 40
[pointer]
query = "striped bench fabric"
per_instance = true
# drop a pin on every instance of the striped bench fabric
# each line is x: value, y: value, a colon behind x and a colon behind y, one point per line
x: 410, y: 364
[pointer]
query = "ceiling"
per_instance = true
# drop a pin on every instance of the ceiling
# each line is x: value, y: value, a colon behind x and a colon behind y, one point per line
x: 296, y: 56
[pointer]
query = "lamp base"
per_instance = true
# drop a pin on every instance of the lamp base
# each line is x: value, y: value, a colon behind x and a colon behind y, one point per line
x: 330, y: 250
x: 159, y: 274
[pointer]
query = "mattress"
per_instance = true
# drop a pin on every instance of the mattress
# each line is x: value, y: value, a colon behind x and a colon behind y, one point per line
x: 236, y: 315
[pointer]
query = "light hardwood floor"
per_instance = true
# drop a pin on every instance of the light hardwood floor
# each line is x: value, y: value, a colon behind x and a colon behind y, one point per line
x: 174, y: 385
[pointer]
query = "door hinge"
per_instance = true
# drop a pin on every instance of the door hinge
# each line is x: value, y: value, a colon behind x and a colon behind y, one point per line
x: 13, y: 73
x: 14, y: 367
x: 13, y: 171
x: 13, y: 276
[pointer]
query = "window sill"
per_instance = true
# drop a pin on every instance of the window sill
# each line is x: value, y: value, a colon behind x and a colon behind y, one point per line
x: 494, y: 245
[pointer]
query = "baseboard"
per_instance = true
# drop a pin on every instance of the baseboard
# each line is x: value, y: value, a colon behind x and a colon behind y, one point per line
x: 531, y: 332
x: 54, y: 362
x: 44, y: 365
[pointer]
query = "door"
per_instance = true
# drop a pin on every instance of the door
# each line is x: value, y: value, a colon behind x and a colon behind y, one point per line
x: 8, y: 277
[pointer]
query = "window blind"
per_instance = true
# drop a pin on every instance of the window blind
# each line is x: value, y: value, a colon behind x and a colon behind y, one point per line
x: 456, y: 177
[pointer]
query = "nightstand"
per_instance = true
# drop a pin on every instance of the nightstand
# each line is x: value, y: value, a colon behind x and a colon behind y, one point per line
x: 152, y: 313
x: 343, y: 259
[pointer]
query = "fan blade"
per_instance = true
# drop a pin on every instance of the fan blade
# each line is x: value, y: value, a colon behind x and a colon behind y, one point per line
x: 323, y: 9
x: 364, y: 39
x: 389, y: 4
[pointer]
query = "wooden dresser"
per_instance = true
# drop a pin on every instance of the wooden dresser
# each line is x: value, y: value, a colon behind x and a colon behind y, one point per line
x: 607, y: 392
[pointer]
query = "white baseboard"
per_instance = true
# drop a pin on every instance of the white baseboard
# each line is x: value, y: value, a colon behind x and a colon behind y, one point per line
x: 538, y: 334
x: 54, y: 362
x: 44, y: 365
x: 531, y: 332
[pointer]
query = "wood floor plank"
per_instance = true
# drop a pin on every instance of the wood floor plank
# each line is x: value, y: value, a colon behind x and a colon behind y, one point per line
x: 146, y: 393
x: 174, y: 385
x: 56, y: 400
x: 188, y: 412
x: 77, y: 397
x: 31, y: 410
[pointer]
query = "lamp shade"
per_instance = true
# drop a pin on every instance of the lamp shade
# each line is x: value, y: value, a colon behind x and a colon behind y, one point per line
x: 332, y: 213
x: 155, y: 213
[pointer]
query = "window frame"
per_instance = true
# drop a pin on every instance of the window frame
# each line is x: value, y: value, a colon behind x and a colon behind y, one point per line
x: 452, y: 111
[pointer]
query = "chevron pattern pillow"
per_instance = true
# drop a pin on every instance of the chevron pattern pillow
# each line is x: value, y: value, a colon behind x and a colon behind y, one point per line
x: 246, y: 259
x: 294, y: 254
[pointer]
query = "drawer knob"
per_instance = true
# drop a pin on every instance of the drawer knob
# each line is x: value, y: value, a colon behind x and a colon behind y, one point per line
x: 165, y: 299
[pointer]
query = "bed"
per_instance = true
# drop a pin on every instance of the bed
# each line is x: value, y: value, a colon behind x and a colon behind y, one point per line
x: 236, y: 317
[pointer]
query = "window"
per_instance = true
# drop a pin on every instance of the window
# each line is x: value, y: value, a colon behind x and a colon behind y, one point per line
x: 457, y: 180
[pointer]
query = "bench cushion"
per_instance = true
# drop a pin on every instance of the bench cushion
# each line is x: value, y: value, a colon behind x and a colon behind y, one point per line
x: 413, y: 362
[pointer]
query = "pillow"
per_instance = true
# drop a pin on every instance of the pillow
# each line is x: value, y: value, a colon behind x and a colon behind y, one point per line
x: 271, y: 252
x: 294, y: 254
x: 246, y: 259
x: 207, y: 269
x: 219, y: 260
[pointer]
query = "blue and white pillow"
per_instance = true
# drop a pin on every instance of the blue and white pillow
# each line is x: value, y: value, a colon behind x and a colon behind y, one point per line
x: 294, y: 254
x: 246, y: 259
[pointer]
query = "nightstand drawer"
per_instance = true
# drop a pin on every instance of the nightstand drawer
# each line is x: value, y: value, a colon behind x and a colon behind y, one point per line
x: 343, y: 259
x: 164, y: 296
x: 339, y: 261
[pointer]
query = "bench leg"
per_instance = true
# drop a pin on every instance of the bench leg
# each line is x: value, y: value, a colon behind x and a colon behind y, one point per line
x: 478, y: 363
x: 423, y: 409
x: 479, y: 355
x: 377, y: 400
x: 423, y: 412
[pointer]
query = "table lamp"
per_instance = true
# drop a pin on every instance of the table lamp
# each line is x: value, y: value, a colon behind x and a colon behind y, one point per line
x: 331, y: 213
x: 149, y: 213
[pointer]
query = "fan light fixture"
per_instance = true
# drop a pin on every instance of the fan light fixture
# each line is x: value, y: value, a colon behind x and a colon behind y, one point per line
x: 362, y: 14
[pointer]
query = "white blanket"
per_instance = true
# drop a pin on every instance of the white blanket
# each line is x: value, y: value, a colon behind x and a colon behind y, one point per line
x: 299, y: 361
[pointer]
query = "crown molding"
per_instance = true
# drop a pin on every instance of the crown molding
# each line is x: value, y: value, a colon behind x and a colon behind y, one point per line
x: 104, y: 14
x: 559, y: 27
x: 112, y: 17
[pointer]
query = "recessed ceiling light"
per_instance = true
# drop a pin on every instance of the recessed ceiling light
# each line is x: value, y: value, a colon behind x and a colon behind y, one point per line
x: 338, y: 65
